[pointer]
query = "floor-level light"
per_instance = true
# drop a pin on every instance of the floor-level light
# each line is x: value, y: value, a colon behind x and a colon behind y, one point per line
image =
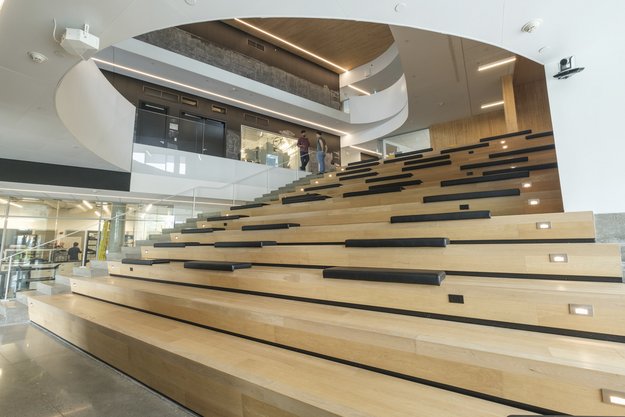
x: 581, y: 309
x: 543, y: 225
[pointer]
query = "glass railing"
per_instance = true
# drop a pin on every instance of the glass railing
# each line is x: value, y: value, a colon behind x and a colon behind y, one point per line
x: 38, y: 234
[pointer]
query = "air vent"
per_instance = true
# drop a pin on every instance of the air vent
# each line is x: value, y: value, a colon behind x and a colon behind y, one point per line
x: 256, y: 45
x: 260, y: 121
x: 151, y: 91
x: 170, y: 97
x: 217, y: 109
x: 188, y: 101
x: 154, y: 92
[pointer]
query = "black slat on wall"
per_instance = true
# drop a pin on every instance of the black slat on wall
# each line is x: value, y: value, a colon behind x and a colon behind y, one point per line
x: 12, y: 170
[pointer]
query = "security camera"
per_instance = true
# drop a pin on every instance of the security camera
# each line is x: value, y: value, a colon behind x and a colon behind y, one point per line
x: 567, y: 68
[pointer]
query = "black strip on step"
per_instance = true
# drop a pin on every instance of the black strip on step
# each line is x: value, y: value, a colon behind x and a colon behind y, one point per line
x: 506, y: 135
x: 364, y: 161
x: 250, y: 244
x: 396, y: 184
x: 130, y: 261
x: 201, y: 230
x: 552, y: 277
x: 549, y: 165
x: 220, y: 218
x: 426, y: 160
x: 389, y: 178
x: 403, y: 158
x: 274, y: 226
x: 366, y: 164
x: 425, y: 166
x: 488, y: 178
x: 494, y: 163
x: 401, y: 154
x: 461, y: 215
x: 471, y: 196
x: 539, y: 135
x: 424, y: 242
x: 304, y: 199
x: 323, y: 187
x: 248, y: 206
x: 465, y: 148
x: 522, y: 151
x: 353, y: 177
x: 407, y: 276
x: 355, y: 171
x: 175, y: 244
x: 217, y: 265
x: 381, y: 190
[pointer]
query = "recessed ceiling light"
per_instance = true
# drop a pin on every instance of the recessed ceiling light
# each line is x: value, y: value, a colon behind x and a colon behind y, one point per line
x: 360, y: 90
x: 299, y: 48
x: 365, y: 150
x: 36, y: 57
x: 496, y: 63
x: 200, y: 90
x: 87, y: 204
x: 493, y: 104
x: 15, y: 205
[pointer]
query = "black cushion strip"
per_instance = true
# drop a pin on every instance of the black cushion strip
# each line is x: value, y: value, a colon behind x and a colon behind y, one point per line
x: 389, y: 177
x: 201, y: 230
x: 382, y: 190
x: 248, y: 206
x: 323, y: 187
x: 472, y: 196
x: 355, y: 171
x: 175, y: 244
x: 401, y: 154
x: 426, y: 160
x: 219, y: 218
x: 131, y: 261
x: 488, y: 178
x: 425, y: 166
x: 465, y: 148
x: 516, y: 241
x: 522, y: 151
x: 367, y: 164
x: 304, y: 199
x: 408, y: 276
x: 425, y: 242
x: 274, y: 226
x: 217, y: 265
x: 364, y: 161
x: 506, y: 135
x: 353, y: 177
x: 396, y: 184
x: 539, y: 135
x: 250, y: 244
x: 461, y: 215
x: 549, y: 165
x: 495, y: 163
x: 402, y: 158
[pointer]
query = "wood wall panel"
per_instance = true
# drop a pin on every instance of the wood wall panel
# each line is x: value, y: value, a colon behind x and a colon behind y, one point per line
x: 467, y: 131
x: 532, y: 102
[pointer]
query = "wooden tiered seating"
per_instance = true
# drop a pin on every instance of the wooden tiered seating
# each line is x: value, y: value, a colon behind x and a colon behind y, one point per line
x: 449, y: 291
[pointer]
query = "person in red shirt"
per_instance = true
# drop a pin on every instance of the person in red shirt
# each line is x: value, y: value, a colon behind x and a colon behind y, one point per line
x: 303, y: 144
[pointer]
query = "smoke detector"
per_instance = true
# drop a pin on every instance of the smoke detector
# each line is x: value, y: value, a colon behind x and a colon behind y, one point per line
x: 531, y: 26
x: 37, y: 57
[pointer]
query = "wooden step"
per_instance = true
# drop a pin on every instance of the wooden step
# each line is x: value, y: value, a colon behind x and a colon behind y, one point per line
x: 491, y: 361
x: 543, y: 305
x: 217, y: 374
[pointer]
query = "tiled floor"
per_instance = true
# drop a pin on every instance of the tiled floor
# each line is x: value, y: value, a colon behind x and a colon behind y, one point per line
x: 42, y: 376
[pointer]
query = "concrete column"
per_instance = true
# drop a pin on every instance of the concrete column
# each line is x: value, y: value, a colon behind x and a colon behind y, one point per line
x: 116, y: 232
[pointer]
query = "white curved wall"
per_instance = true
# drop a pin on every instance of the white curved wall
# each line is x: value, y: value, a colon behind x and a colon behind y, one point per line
x: 96, y: 114
x: 379, y: 106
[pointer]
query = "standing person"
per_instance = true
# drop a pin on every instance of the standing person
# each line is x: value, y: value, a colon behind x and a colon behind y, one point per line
x: 73, y: 252
x: 322, y: 148
x: 303, y: 145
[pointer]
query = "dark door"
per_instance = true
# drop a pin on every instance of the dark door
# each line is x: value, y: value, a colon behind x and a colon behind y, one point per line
x: 151, y: 124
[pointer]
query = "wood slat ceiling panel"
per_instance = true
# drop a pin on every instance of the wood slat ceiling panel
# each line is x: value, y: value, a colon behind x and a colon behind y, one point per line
x: 344, y: 42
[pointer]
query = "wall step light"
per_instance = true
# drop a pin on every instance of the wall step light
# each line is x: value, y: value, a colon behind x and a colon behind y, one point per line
x: 558, y: 258
x: 581, y: 309
x: 543, y: 225
x: 613, y: 397
x: 533, y: 201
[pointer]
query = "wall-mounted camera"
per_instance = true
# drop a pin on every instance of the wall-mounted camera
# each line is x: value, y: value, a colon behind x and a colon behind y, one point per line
x: 567, y: 68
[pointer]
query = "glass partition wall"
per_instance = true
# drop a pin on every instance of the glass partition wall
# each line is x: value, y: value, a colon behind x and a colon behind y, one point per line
x: 268, y: 148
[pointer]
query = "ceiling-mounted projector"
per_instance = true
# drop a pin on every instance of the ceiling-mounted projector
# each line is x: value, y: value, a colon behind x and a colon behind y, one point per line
x: 79, y: 41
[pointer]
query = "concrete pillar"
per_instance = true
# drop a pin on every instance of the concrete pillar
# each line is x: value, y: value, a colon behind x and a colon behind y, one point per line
x: 116, y: 232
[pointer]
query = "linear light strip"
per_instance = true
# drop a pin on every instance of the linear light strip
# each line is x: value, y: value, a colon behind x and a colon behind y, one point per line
x: 496, y: 63
x: 496, y: 103
x: 299, y: 48
x: 359, y: 89
x: 366, y: 150
x: 233, y: 100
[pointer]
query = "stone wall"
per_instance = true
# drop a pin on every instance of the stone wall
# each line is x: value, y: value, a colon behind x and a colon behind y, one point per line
x: 183, y: 43
x: 610, y: 228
